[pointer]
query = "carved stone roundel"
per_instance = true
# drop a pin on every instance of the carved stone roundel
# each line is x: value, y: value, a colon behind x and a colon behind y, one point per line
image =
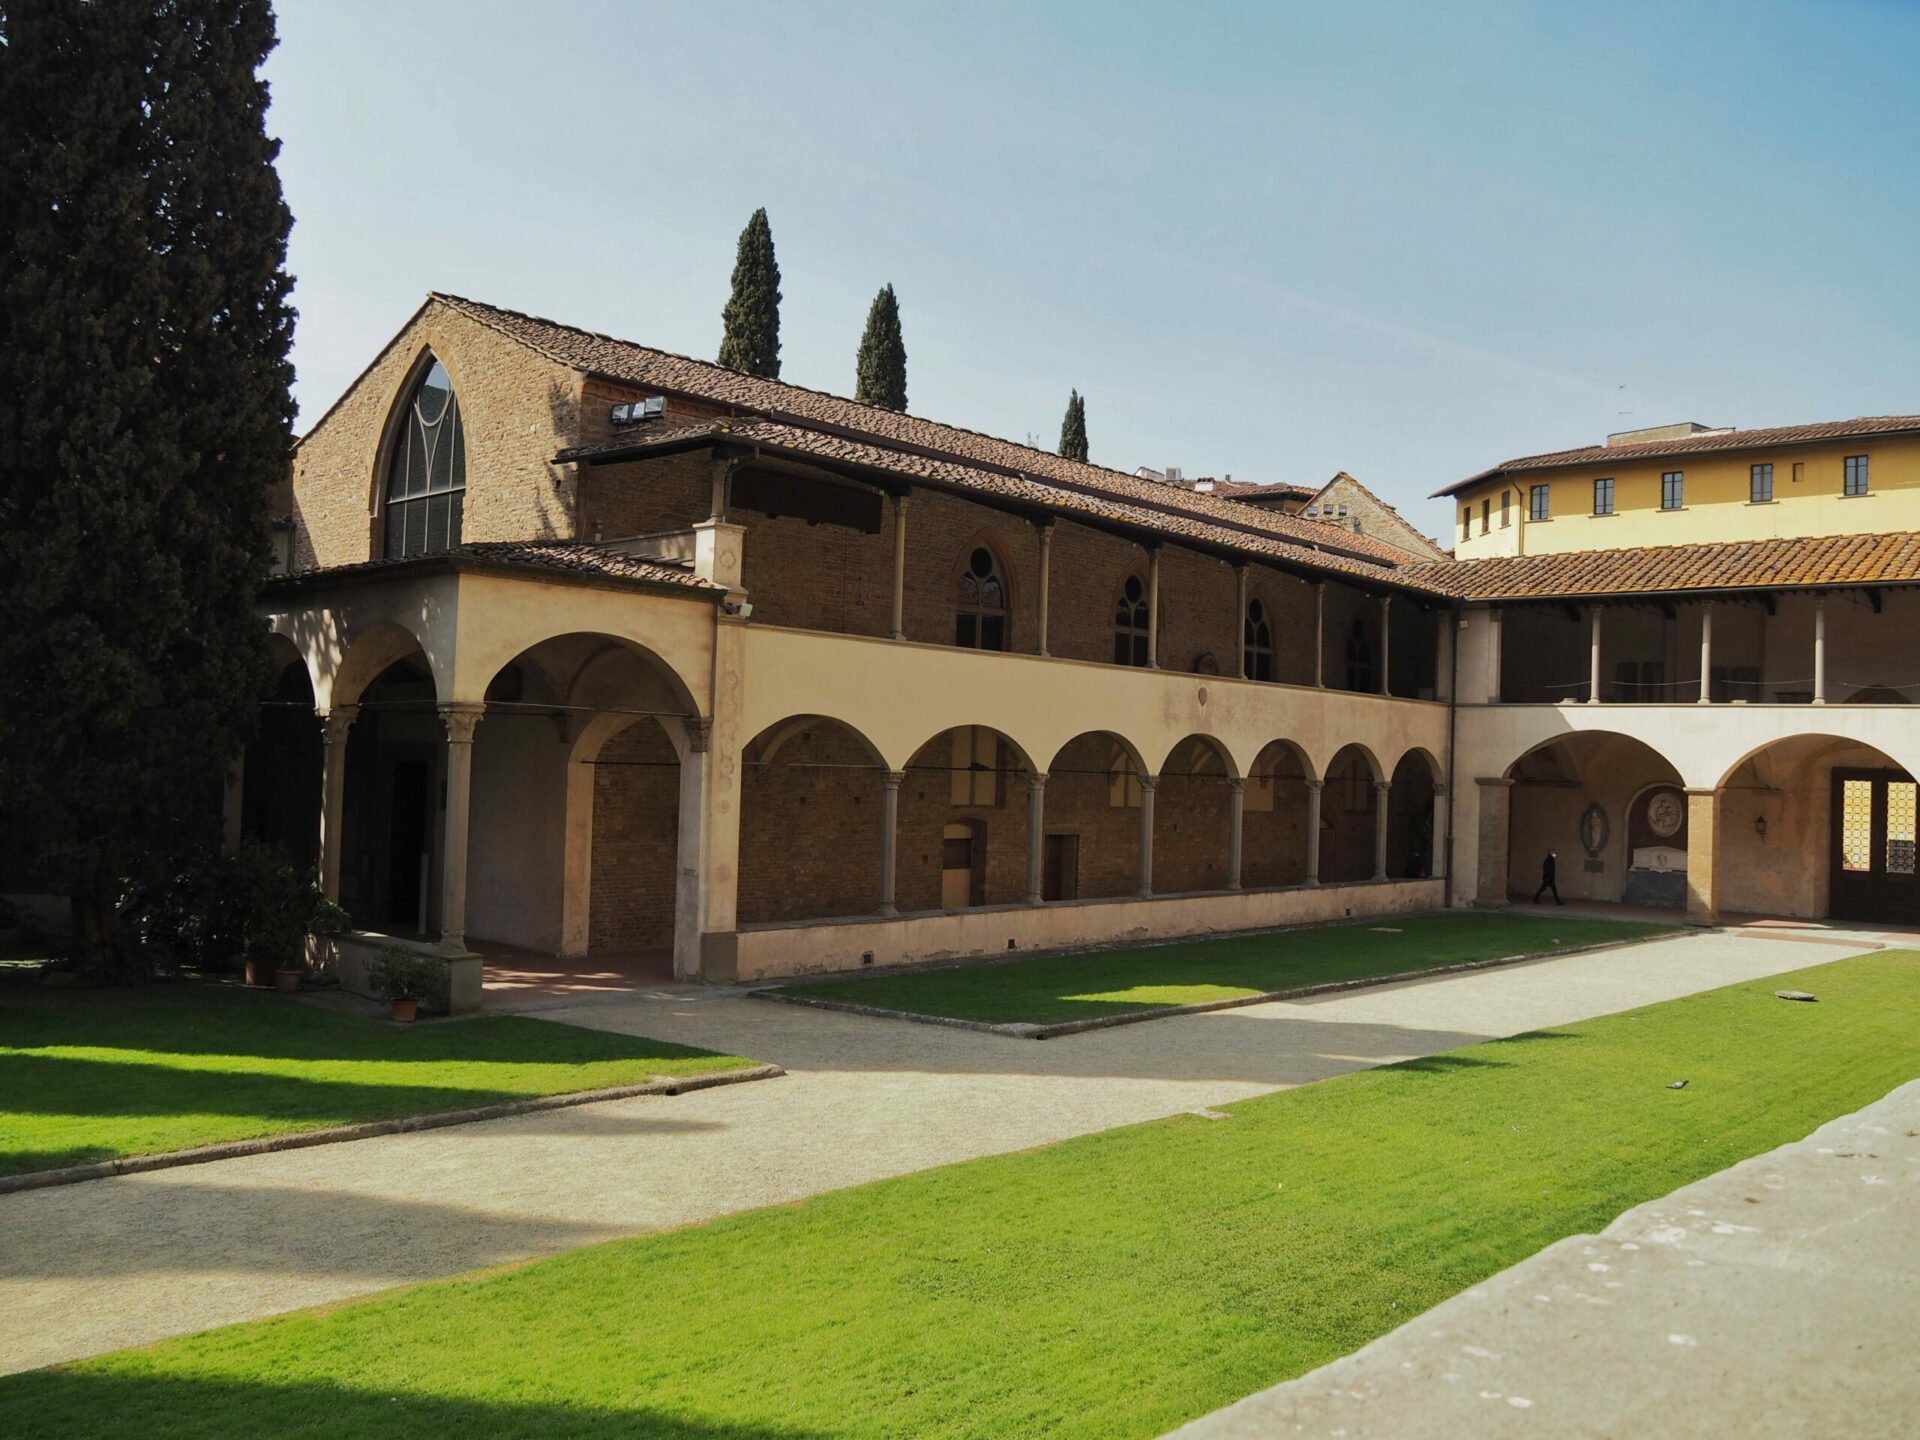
x: 1664, y: 814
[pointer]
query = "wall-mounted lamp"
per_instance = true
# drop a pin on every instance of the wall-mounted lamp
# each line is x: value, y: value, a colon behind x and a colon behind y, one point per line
x: 1760, y: 827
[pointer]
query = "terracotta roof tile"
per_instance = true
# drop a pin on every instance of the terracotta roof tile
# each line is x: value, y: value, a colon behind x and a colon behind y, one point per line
x: 1718, y: 440
x: 558, y: 556
x: 773, y: 435
x: 1808, y: 562
x: 638, y: 365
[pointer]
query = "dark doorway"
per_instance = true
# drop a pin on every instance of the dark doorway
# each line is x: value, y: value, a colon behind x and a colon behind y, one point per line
x: 1060, y: 868
x: 1872, y: 847
x: 407, y: 849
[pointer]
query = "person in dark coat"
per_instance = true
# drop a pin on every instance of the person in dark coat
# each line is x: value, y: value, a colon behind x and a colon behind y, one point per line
x: 1549, y: 869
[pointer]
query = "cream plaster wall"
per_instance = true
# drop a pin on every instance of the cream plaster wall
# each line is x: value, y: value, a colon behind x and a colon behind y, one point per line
x: 812, y: 949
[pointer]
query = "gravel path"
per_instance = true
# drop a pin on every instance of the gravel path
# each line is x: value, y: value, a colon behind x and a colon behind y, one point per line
x: 111, y: 1263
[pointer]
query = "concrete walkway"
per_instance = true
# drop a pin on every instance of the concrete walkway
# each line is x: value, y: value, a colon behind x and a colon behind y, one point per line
x: 1780, y: 1297
x: 110, y: 1263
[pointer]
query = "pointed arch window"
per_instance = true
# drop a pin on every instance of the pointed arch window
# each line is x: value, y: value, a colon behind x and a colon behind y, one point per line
x: 1130, y: 622
x: 980, y: 606
x: 1256, y: 647
x: 427, y: 474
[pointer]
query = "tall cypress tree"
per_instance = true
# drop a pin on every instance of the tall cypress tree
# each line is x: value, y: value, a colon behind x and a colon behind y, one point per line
x: 1073, y: 428
x: 880, y: 372
x: 144, y: 414
x: 751, y: 342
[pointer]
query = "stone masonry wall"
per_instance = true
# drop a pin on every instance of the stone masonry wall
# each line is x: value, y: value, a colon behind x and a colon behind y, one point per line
x: 636, y: 827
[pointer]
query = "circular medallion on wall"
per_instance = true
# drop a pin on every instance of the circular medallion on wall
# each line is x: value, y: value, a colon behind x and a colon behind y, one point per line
x: 1666, y: 814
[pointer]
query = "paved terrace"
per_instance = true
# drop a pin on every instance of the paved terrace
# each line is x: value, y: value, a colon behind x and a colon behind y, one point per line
x: 112, y: 1263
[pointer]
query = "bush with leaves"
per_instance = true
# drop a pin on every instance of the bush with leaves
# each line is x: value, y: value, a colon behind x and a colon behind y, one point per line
x: 217, y: 910
x: 409, y: 975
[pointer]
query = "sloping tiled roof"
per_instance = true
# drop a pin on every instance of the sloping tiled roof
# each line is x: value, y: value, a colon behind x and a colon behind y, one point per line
x: 638, y: 365
x: 1246, y: 494
x: 1428, y: 548
x: 564, y: 557
x: 1721, y: 440
x: 1810, y: 562
x: 779, y: 437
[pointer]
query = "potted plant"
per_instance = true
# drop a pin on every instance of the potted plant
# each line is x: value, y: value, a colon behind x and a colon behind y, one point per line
x: 266, y: 910
x: 405, y: 978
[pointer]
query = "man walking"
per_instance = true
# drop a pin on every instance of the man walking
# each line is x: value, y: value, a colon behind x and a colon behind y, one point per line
x: 1549, y: 868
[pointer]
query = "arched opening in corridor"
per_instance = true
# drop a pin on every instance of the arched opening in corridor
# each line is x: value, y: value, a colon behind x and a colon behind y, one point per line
x: 1274, y: 819
x: 1410, y: 816
x: 961, y: 831
x: 1612, y: 812
x: 390, y: 854
x: 1192, y: 818
x: 1093, y: 810
x: 1349, y: 804
x: 811, y: 807
x: 280, y: 778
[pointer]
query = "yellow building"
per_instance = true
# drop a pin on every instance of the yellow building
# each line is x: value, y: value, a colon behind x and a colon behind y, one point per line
x: 1689, y: 484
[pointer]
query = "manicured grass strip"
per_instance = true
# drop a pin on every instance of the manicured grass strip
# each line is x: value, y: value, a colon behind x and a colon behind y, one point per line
x: 1055, y: 988
x: 1115, y: 1285
x: 99, y: 1074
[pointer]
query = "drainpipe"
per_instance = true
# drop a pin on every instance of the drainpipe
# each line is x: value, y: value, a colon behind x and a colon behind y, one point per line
x: 1453, y: 710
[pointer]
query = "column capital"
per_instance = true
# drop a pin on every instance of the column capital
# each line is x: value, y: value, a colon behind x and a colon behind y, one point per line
x: 1314, y: 787
x: 1381, y: 787
x: 1490, y: 781
x: 335, y: 723
x: 1236, y: 784
x: 1705, y: 791
x: 900, y: 500
x: 1036, y: 779
x: 1439, y: 788
x: 890, y: 779
x: 460, y: 717
x: 699, y: 730
x: 1149, y: 782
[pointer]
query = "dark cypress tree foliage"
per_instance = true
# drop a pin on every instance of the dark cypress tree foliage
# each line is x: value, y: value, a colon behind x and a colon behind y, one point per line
x: 751, y: 343
x: 880, y: 373
x: 1073, y: 428
x: 144, y: 414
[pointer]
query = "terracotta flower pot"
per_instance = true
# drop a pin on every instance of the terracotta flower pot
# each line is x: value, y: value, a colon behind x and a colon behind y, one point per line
x: 406, y: 1011
x: 288, y: 981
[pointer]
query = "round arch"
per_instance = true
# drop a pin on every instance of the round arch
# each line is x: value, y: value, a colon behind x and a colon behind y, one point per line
x: 370, y: 654
x: 812, y: 802
x: 1093, y: 812
x: 1274, y: 816
x: 1349, y: 804
x: 1192, y: 817
x: 1411, y: 812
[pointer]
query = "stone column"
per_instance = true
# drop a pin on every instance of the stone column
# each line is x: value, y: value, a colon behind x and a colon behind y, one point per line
x: 1153, y: 608
x: 1593, y: 657
x: 721, y: 480
x: 1496, y: 636
x: 1437, y: 856
x: 1240, y: 624
x: 899, y: 631
x: 889, y: 836
x: 1046, y: 582
x: 1819, y: 649
x: 690, y: 843
x: 1148, y: 784
x: 1496, y: 799
x: 1381, y: 790
x: 1447, y: 638
x: 1703, y: 871
x: 1386, y: 634
x: 1036, y: 835
x: 1314, y: 787
x: 1706, y: 653
x: 1236, y: 811
x: 1319, y: 635
x: 334, y: 726
x: 460, y: 718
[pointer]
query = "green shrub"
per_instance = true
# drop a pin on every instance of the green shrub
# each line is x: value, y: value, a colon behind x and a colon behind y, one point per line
x: 409, y: 975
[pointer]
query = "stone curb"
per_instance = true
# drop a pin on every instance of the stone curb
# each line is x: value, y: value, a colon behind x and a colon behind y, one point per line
x: 368, y: 1129
x: 1023, y: 1031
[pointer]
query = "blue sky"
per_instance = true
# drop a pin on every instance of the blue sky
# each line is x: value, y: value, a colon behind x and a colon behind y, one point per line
x: 1406, y: 240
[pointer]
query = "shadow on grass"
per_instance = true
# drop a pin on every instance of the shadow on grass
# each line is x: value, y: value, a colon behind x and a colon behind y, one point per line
x: 215, y: 1020
x: 82, y: 1402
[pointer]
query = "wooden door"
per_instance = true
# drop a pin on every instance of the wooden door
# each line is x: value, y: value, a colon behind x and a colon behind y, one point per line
x: 1872, y: 865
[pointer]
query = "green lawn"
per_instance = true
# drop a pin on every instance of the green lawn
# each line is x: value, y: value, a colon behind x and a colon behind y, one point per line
x: 1056, y: 988
x: 96, y: 1074
x: 1111, y: 1286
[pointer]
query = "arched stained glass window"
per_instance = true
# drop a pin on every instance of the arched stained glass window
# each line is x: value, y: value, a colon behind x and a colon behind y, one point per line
x: 980, y: 607
x: 1257, y: 644
x: 427, y: 476
x: 1130, y: 623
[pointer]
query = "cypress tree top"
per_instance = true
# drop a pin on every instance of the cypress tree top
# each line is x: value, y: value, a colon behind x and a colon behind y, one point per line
x: 1073, y: 428
x: 751, y: 342
x: 880, y: 373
